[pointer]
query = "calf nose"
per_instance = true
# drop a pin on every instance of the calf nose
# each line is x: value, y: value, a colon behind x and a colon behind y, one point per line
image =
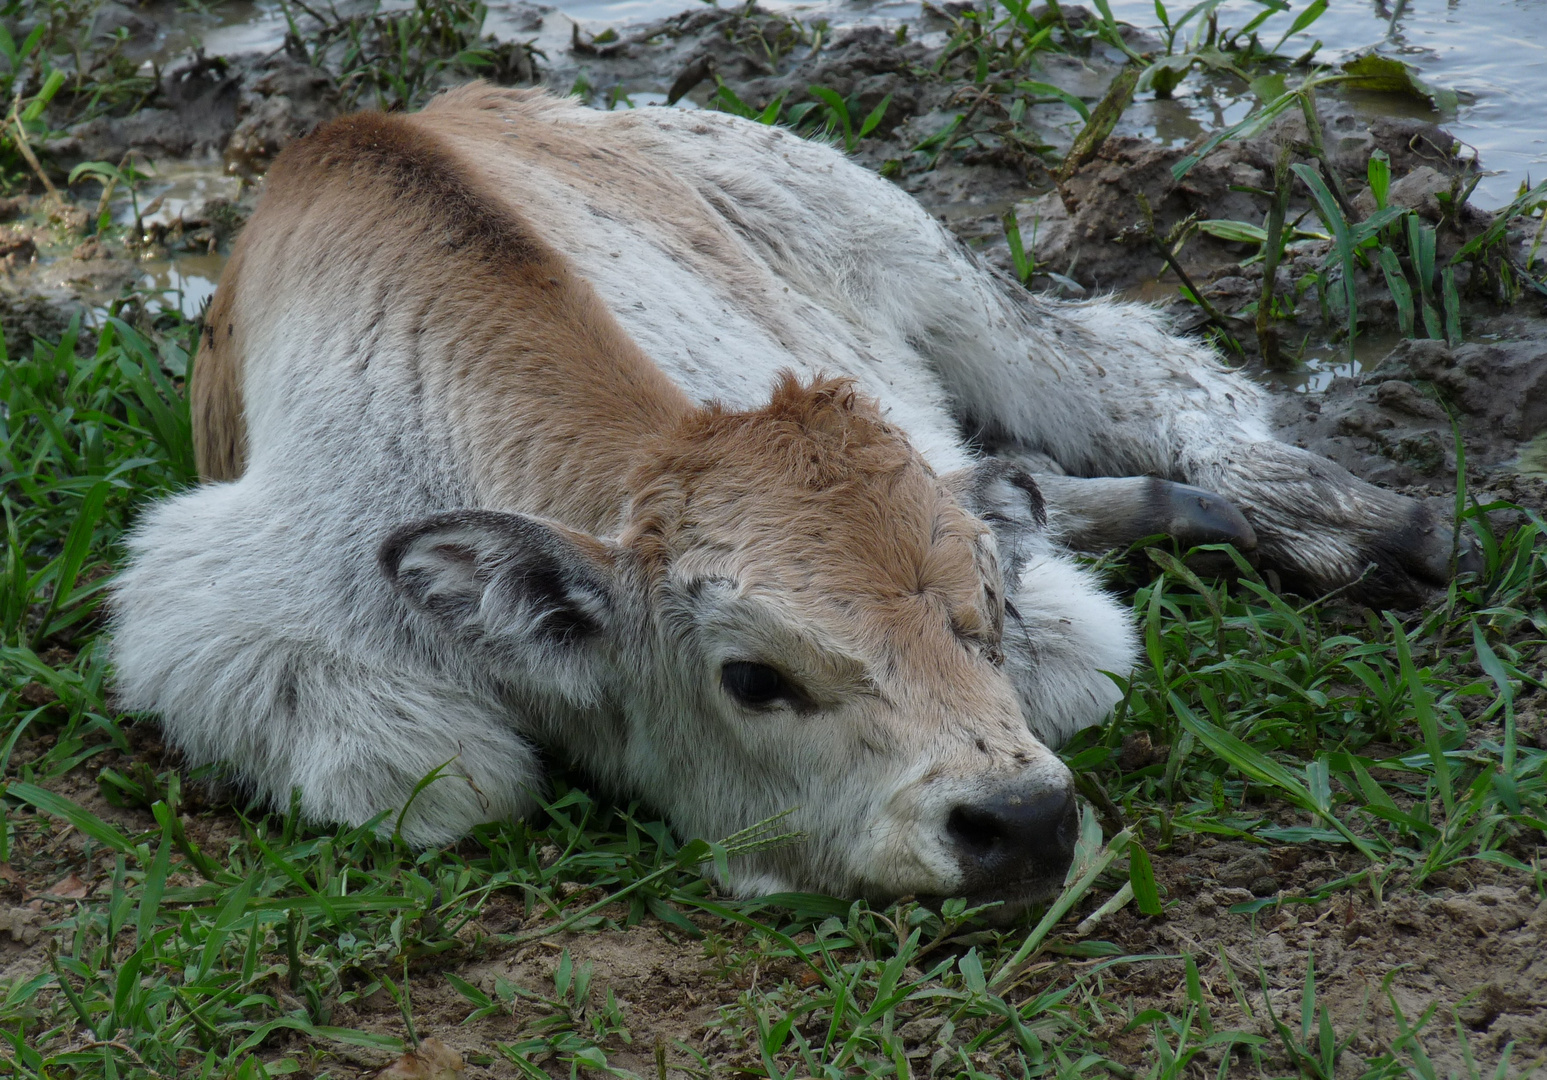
x: 1015, y: 836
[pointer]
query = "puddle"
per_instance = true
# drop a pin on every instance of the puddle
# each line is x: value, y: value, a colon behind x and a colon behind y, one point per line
x: 229, y: 28
x: 184, y: 282
x: 175, y: 189
x: 180, y: 279
x: 1321, y: 362
x: 1532, y: 460
x: 1493, y: 52
x: 247, y: 27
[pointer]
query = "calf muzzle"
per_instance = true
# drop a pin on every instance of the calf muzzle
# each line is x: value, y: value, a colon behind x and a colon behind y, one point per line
x: 1016, y: 842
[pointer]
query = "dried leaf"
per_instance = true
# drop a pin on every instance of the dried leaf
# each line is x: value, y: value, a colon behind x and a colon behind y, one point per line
x: 69, y: 888
x: 434, y: 1060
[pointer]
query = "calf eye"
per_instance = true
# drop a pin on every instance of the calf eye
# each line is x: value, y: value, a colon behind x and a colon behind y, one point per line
x: 753, y: 684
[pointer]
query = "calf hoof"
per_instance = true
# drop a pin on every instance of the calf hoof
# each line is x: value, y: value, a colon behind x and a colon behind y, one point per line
x: 1403, y: 565
x: 1411, y: 562
x: 1192, y: 517
x: 1323, y: 530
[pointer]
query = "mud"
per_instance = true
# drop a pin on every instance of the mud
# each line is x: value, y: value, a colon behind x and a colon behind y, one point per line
x: 1093, y: 227
x: 1392, y: 423
x: 245, y: 110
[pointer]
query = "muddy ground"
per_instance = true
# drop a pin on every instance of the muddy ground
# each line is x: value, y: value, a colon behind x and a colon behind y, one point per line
x: 1472, y: 944
x: 1474, y: 940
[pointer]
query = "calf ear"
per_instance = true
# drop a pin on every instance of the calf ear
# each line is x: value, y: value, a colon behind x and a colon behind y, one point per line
x: 514, y: 582
x: 1008, y: 500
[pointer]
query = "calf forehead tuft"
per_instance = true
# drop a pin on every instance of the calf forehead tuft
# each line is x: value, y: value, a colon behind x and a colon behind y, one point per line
x: 818, y: 435
x: 813, y: 492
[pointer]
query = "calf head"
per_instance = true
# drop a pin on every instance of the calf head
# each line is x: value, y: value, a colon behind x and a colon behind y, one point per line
x: 797, y: 614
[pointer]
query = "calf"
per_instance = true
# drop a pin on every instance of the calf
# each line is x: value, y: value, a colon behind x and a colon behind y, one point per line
x: 647, y: 439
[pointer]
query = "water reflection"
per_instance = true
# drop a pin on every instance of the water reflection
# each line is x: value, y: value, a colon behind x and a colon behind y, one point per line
x: 184, y: 283
x: 182, y: 188
x: 1319, y: 362
x: 1184, y: 118
x: 1493, y: 52
x: 232, y: 28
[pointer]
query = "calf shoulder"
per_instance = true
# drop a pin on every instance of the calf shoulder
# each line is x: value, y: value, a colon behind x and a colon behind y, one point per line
x: 381, y: 283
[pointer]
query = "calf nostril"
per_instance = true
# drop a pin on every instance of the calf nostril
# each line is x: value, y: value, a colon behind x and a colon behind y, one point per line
x: 976, y: 829
x: 1015, y: 835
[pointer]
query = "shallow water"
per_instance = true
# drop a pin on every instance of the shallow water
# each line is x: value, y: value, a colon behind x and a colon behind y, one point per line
x: 177, y: 187
x: 1317, y: 361
x: 184, y: 280
x: 1492, y: 52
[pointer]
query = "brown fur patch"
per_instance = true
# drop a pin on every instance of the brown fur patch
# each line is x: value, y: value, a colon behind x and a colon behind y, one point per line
x: 381, y: 151
x: 215, y: 391
x: 373, y: 224
x: 824, y: 501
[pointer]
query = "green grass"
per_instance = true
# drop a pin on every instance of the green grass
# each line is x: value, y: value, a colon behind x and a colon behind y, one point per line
x: 398, y: 59
x: 1392, y: 742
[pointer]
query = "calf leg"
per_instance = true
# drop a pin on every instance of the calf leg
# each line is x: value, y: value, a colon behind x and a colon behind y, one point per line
x: 1105, y: 390
x: 1096, y: 515
x: 354, y: 742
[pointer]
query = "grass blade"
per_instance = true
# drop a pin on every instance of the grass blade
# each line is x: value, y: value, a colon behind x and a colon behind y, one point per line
x: 1141, y: 875
x: 1066, y: 900
x: 1423, y: 712
x: 67, y: 567
x: 60, y: 807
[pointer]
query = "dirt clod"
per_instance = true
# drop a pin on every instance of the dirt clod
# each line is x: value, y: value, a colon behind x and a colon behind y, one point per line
x: 1392, y: 423
x: 22, y: 924
x: 281, y: 101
